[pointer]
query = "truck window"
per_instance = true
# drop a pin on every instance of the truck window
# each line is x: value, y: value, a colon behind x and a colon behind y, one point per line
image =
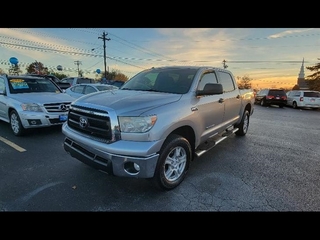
x: 226, y: 81
x: 207, y: 78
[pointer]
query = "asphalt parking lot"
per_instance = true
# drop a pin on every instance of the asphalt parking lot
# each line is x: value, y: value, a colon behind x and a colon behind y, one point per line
x: 274, y: 168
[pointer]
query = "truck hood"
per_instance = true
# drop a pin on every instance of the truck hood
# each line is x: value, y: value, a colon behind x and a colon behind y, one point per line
x: 128, y: 102
x: 42, y: 98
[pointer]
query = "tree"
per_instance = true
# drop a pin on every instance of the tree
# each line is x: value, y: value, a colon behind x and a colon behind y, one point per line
x: 59, y: 75
x: 37, y: 67
x: 115, y: 75
x: 14, y: 69
x: 313, y: 80
x: 121, y: 77
x: 244, y: 82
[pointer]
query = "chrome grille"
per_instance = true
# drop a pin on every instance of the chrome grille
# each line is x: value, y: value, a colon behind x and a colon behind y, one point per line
x: 95, y: 123
x: 57, y: 107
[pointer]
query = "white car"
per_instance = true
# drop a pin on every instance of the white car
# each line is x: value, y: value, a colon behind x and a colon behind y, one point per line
x: 303, y: 99
x: 77, y: 80
x: 32, y: 102
x: 79, y: 90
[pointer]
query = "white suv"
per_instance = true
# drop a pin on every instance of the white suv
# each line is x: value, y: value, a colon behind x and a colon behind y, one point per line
x: 32, y: 102
x: 77, y: 80
x: 303, y: 99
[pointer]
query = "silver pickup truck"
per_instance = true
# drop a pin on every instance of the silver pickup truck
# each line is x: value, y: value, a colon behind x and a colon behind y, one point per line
x: 157, y: 122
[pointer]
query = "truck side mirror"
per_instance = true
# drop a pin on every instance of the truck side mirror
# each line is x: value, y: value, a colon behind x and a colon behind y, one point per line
x: 210, y: 89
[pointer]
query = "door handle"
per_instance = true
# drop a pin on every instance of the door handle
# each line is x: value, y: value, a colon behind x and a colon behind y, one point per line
x: 221, y: 100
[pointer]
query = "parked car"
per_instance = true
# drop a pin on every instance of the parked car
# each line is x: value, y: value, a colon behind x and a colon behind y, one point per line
x: 86, y: 88
x: 76, y: 80
x: 32, y: 102
x: 62, y: 85
x: 271, y: 96
x: 117, y: 83
x: 303, y: 99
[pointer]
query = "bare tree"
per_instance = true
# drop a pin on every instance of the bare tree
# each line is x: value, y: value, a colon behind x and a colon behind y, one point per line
x: 244, y: 82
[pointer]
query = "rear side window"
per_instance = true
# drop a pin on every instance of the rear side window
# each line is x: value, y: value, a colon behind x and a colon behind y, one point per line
x: 312, y: 94
x: 227, y: 82
x: 89, y: 89
x: 85, y: 80
x: 69, y: 80
x: 77, y: 89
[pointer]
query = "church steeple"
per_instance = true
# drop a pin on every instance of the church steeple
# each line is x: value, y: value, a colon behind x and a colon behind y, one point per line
x: 301, y: 81
x: 301, y: 74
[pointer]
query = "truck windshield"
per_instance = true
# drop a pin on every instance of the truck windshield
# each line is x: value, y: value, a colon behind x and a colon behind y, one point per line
x: 173, y: 80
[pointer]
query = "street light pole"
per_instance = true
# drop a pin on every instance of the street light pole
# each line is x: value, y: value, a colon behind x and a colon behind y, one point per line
x: 104, y: 38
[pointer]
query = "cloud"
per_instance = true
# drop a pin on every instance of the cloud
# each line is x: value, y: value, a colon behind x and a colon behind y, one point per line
x: 189, y: 46
x: 289, y: 32
x: 34, y: 42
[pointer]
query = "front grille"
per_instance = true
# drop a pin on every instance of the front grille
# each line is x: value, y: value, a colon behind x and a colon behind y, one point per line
x: 57, y: 107
x: 94, y: 123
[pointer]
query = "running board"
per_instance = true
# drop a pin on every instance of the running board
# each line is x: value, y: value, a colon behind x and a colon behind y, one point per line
x: 214, y: 141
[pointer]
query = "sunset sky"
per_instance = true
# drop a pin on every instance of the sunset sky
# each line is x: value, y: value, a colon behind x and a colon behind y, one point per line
x: 271, y: 57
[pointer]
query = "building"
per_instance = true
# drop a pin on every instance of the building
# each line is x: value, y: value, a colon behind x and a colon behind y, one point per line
x: 301, y: 80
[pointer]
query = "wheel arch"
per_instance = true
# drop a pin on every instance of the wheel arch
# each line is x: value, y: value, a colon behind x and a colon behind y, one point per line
x: 9, y: 111
x: 188, y: 133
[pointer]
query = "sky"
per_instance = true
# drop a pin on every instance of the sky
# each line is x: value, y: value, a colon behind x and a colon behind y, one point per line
x: 270, y: 57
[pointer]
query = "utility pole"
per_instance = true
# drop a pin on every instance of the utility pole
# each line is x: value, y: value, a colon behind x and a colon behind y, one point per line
x: 104, y: 38
x: 78, y: 63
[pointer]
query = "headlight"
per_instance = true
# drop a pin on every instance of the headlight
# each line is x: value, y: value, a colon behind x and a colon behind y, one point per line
x: 31, y: 107
x: 137, y: 124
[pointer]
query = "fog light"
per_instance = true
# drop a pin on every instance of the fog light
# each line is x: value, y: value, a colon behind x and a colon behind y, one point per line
x: 136, y: 167
x: 131, y: 168
x: 34, y: 121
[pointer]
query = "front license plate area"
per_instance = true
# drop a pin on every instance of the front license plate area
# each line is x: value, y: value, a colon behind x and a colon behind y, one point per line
x: 63, y: 118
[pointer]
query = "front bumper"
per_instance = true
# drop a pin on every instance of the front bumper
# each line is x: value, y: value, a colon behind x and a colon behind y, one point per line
x: 37, y: 120
x: 121, y: 158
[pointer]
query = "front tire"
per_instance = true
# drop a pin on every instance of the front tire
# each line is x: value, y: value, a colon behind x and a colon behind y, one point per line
x: 15, y: 123
x: 244, y: 124
x: 173, y: 164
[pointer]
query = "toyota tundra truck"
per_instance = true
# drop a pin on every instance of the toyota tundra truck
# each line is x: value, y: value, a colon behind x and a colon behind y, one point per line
x: 157, y: 122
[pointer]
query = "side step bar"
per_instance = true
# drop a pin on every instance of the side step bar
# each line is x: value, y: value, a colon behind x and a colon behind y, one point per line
x: 214, y: 141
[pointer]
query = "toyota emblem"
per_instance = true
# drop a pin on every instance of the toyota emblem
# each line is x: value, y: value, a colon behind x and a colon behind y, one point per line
x: 83, y: 122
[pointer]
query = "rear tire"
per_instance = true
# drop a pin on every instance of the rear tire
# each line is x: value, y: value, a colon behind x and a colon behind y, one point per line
x: 173, y: 164
x: 15, y: 123
x: 294, y: 105
x: 244, y: 124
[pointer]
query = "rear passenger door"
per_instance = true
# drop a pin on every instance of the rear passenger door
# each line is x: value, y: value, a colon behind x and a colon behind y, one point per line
x: 210, y: 110
x: 231, y: 97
